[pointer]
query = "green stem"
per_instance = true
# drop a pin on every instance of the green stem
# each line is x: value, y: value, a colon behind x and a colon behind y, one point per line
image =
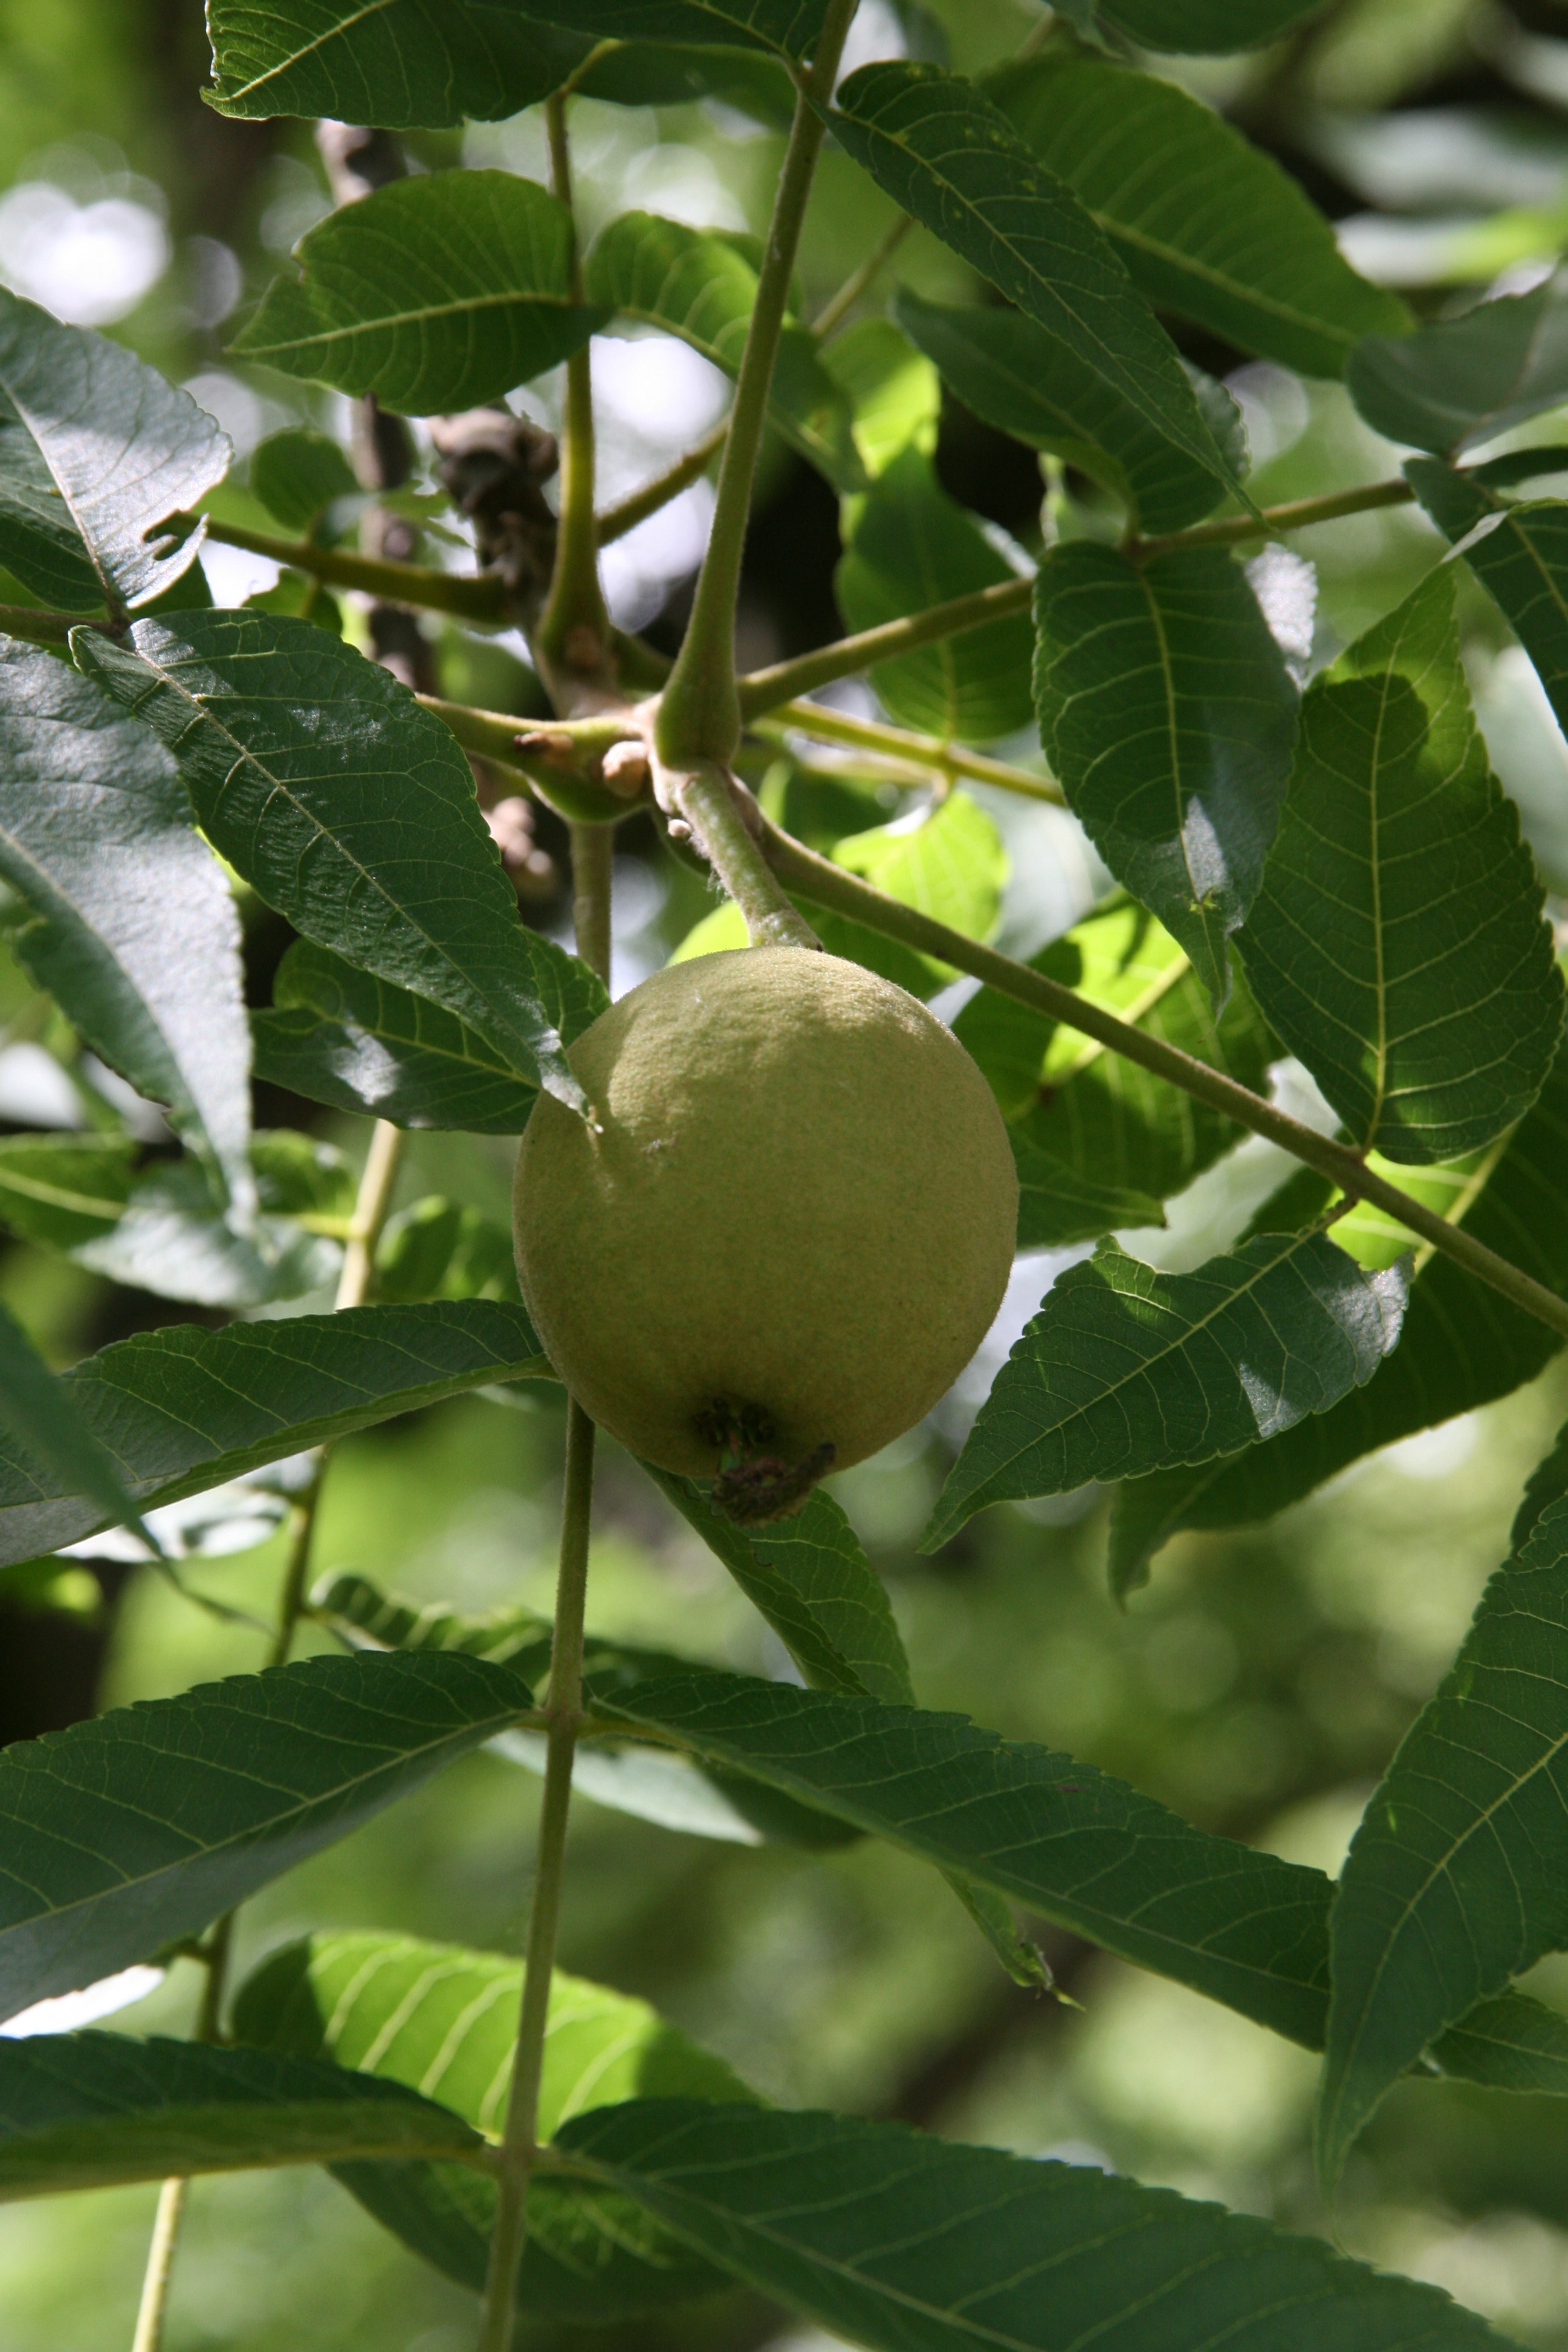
x: 563, y: 1717
x: 827, y: 885
x: 856, y: 284
x: 699, y: 717
x: 42, y: 629
x: 370, y: 1206
x: 764, y: 690
x: 949, y: 760
x: 1296, y: 514
x: 707, y: 800
x: 573, y: 634
x: 616, y: 520
x: 475, y: 596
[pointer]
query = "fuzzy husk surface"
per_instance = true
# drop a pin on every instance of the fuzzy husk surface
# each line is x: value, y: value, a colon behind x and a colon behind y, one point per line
x: 796, y: 1211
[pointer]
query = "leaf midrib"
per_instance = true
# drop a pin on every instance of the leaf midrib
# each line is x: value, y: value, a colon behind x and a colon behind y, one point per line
x: 333, y: 33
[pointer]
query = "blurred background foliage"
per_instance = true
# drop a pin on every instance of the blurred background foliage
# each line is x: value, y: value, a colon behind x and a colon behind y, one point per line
x: 1259, y: 1681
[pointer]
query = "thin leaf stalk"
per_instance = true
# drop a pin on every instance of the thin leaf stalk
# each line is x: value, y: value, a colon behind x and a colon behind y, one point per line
x: 861, y: 281
x: 949, y: 761
x: 615, y: 521
x: 573, y: 636
x: 563, y: 1717
x: 826, y: 885
x: 699, y: 715
x: 472, y: 595
x: 370, y: 1206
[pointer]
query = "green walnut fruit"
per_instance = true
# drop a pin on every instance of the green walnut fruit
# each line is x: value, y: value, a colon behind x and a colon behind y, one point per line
x: 787, y: 1232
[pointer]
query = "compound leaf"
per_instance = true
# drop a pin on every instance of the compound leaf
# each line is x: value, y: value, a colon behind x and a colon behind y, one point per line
x: 92, y: 2110
x: 1197, y: 27
x: 910, y: 545
x: 353, y: 812
x: 945, y: 154
x: 129, y: 924
x: 435, y: 293
x: 140, y: 1826
x: 1398, y: 946
x: 1213, y: 229
x: 443, y: 2021
x: 787, y: 26
x: 1519, y: 555
x: 97, y: 453
x: 182, y: 1409
x: 1169, y: 716
x: 907, y: 2243
x: 1126, y: 1369
x: 1456, y: 1880
x: 340, y: 1036
x: 403, y: 64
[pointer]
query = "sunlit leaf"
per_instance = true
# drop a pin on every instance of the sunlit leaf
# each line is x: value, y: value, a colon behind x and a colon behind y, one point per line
x: 443, y: 2021
x: 893, y: 390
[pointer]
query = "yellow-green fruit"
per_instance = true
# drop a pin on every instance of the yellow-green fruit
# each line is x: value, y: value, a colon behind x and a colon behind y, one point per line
x: 794, y: 1223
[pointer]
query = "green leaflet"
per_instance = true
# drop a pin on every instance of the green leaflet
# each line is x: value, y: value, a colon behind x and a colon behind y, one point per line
x: 353, y: 812
x: 893, y: 392
x: 945, y: 154
x: 652, y: 1784
x: 339, y: 1036
x: 1196, y: 28
x: 1463, y: 1345
x: 89, y: 2110
x: 298, y: 474
x: 403, y: 65
x: 1461, y: 380
x: 183, y: 1409
x: 701, y: 285
x: 159, y: 1228
x: 443, y: 2021
x: 42, y: 1414
x: 1213, y: 228
x: 141, y: 1826
x: 79, y: 525
x: 437, y: 1248
x: 788, y: 26
x: 646, y: 73
x: 1099, y: 1142
x: 1016, y: 375
x: 1168, y: 714
x: 1126, y: 1370
x: 1398, y: 946
x: 1053, y: 1834
x: 909, y: 545
x: 914, y: 2244
x: 810, y: 1579
x: 128, y: 922
x: 439, y: 292
x: 1457, y: 1877
x: 1519, y: 555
